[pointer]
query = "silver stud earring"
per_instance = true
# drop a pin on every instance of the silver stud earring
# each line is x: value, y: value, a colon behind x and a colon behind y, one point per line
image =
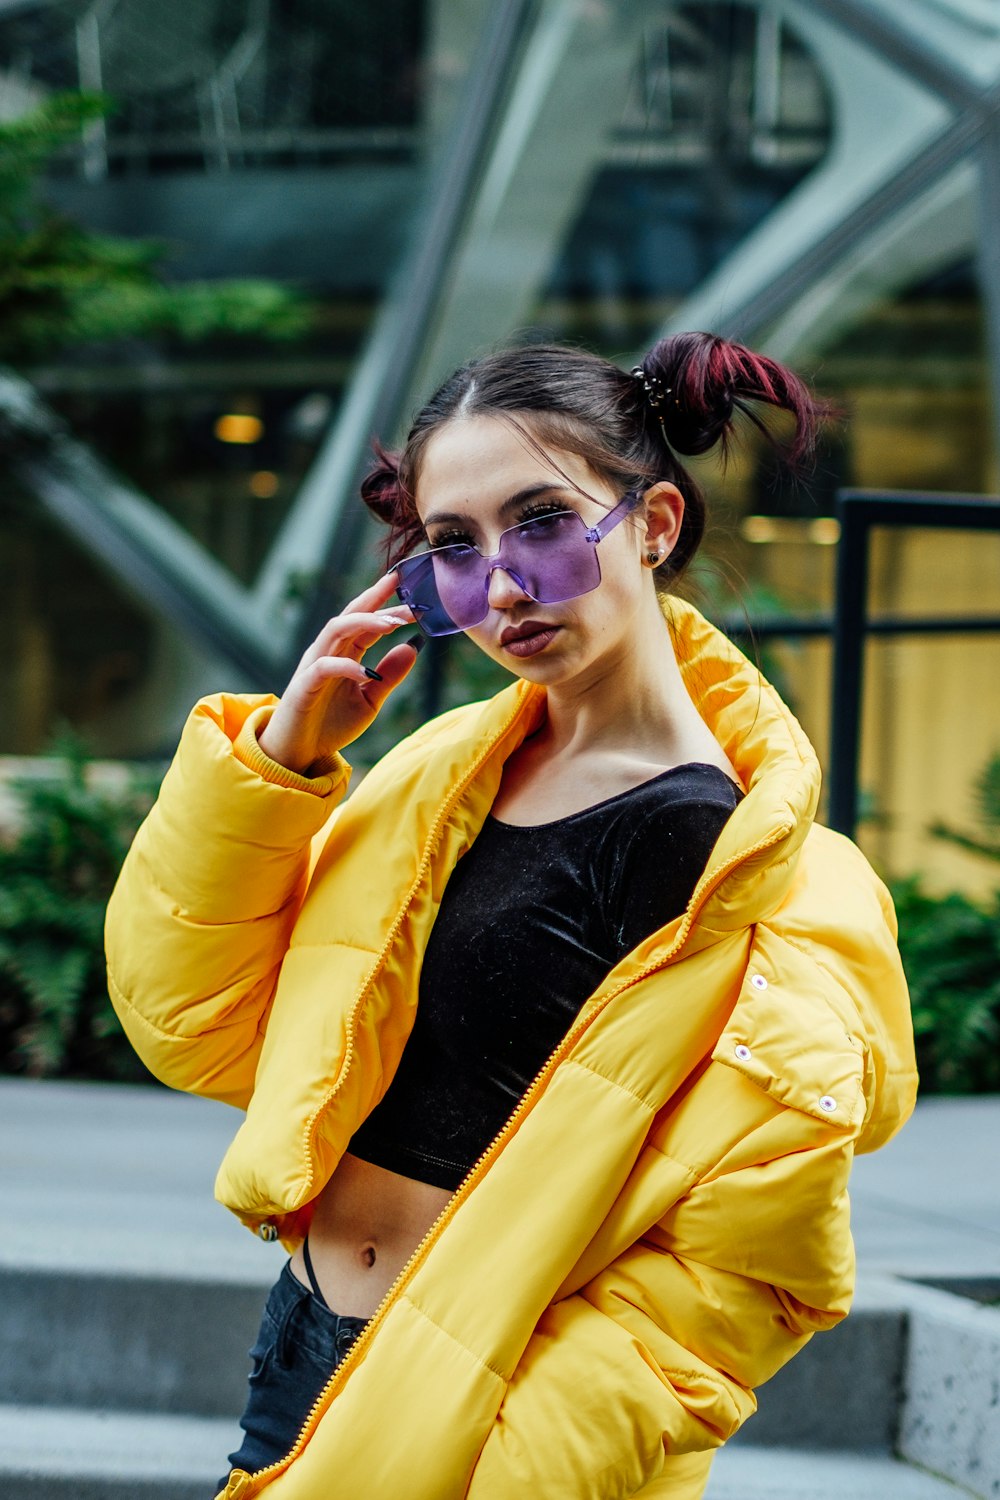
x: 654, y: 558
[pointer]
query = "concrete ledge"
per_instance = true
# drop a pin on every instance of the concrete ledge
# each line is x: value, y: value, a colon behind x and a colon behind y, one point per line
x: 55, y: 1453
x: 133, y: 1343
x: 155, y: 1344
x: 63, y: 1454
x: 774, y: 1474
x: 950, y: 1418
x: 842, y: 1391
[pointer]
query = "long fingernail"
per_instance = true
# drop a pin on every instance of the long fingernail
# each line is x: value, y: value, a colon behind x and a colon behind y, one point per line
x: 418, y: 642
x: 371, y: 672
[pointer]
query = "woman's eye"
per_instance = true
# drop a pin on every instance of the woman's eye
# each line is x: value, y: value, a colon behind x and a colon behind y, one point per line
x: 546, y: 522
x: 452, y: 539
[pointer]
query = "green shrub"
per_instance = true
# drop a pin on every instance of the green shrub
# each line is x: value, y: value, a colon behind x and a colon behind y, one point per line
x: 62, y: 285
x: 984, y: 837
x: 56, y: 874
x: 951, y: 954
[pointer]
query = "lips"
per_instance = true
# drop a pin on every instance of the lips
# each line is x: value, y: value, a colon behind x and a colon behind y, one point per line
x: 528, y: 638
x: 523, y: 631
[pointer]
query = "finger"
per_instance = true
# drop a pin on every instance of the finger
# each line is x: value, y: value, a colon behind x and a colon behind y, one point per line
x: 351, y: 634
x: 393, y: 668
x: 318, y: 676
x: 376, y: 595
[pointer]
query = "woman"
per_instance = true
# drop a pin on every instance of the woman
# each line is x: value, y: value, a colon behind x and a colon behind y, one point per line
x: 549, y: 1229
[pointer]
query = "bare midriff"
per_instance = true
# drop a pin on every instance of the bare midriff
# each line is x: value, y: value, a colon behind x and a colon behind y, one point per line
x: 366, y: 1224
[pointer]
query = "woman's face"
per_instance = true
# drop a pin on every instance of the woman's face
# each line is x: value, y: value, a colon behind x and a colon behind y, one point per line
x: 479, y: 476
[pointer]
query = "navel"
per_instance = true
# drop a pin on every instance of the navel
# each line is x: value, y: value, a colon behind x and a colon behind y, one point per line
x: 368, y: 1255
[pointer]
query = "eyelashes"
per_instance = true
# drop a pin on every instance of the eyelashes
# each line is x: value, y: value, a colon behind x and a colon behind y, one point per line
x: 458, y: 537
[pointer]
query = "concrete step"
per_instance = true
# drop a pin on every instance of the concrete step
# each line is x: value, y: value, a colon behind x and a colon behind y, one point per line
x: 65, y: 1453
x: 137, y: 1344
x: 799, y: 1474
x: 58, y: 1453
x: 128, y: 1342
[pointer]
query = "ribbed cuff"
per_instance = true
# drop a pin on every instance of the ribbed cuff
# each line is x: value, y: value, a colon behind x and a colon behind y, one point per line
x: 329, y: 774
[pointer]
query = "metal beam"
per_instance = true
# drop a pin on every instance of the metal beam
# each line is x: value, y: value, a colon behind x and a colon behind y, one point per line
x: 327, y: 521
x: 858, y: 511
x: 988, y: 258
x: 840, y: 241
x: 153, y: 557
x: 871, y: 171
x: 569, y: 95
x: 908, y: 47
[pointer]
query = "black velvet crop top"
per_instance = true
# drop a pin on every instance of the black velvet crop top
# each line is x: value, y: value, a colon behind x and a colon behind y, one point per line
x: 531, y: 921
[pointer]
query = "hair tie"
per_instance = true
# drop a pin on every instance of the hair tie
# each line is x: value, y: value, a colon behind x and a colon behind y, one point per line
x: 658, y: 396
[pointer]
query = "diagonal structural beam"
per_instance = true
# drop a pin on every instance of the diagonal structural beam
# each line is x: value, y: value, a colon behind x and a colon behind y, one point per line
x: 892, y: 139
x: 569, y: 96
x: 989, y: 257
x: 912, y: 47
x: 529, y: 144
x: 326, y: 521
x: 769, y: 287
x: 154, y: 558
x: 814, y: 236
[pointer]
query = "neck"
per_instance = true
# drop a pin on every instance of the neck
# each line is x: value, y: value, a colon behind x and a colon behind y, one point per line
x: 633, y: 703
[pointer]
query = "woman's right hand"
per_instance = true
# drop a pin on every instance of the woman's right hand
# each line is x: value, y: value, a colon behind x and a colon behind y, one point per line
x: 332, y: 698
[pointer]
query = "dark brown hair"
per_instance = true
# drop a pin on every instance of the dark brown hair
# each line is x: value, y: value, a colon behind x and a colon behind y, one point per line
x: 628, y: 427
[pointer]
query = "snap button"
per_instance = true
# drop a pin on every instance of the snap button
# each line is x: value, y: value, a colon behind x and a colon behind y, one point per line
x: 267, y: 1231
x: 743, y: 1052
x: 828, y: 1103
x: 758, y: 981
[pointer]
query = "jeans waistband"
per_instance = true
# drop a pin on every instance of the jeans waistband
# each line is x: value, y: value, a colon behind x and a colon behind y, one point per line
x: 326, y: 1333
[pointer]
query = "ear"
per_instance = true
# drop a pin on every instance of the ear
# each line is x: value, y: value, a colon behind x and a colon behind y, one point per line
x: 664, y: 512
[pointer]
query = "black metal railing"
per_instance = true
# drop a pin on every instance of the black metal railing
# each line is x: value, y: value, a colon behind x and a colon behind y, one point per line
x: 858, y: 511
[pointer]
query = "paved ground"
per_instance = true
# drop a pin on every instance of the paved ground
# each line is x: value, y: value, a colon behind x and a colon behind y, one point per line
x: 108, y: 1176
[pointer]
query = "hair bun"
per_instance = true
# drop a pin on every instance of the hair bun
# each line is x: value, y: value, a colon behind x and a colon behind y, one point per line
x: 708, y: 379
x: 388, y: 498
x: 694, y: 431
x: 380, y: 489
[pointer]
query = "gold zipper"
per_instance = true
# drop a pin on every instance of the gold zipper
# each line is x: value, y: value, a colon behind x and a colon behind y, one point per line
x: 708, y: 883
x: 312, y: 1124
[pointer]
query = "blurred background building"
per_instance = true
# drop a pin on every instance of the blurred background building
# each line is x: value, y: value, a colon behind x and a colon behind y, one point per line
x: 820, y: 178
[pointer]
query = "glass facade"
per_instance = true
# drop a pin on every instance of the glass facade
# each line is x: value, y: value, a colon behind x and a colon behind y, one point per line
x: 435, y: 176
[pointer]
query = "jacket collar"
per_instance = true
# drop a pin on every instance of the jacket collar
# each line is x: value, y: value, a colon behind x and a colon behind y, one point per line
x: 753, y: 864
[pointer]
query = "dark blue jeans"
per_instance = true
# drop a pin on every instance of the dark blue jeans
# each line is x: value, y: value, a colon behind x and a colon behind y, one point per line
x: 299, y: 1345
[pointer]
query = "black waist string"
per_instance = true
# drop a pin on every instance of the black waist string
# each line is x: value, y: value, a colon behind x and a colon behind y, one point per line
x: 307, y: 1258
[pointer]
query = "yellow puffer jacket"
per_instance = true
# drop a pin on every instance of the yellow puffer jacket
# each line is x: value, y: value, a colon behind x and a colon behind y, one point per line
x: 664, y: 1220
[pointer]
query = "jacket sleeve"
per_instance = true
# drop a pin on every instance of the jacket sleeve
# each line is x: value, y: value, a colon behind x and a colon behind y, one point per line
x: 202, y: 912
x: 660, y: 1352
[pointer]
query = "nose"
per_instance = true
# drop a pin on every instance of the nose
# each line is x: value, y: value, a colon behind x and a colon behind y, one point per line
x: 504, y: 590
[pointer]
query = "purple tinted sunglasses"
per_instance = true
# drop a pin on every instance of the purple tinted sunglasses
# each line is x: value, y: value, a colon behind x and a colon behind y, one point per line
x: 552, y: 558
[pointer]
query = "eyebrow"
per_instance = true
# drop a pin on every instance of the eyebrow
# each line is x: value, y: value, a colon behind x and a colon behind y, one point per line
x: 511, y: 504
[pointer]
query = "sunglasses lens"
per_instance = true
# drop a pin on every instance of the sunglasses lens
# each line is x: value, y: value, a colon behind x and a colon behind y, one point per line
x: 418, y: 587
x: 549, y: 557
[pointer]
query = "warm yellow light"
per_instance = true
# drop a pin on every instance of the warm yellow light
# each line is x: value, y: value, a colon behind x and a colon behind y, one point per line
x: 758, y: 529
x: 239, y: 427
x: 264, y: 484
x: 825, y: 531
